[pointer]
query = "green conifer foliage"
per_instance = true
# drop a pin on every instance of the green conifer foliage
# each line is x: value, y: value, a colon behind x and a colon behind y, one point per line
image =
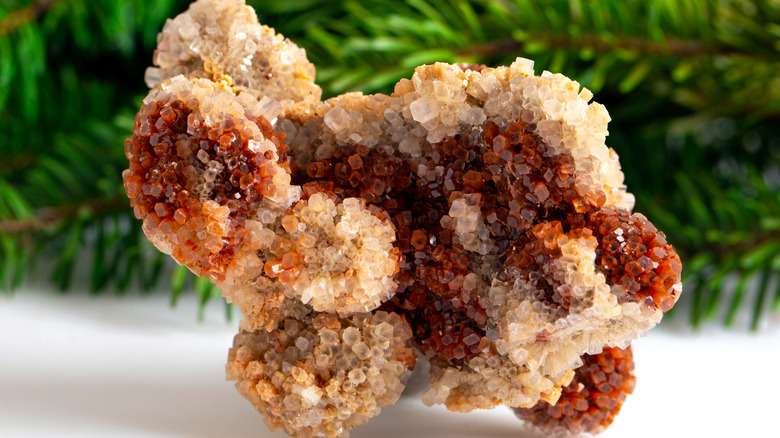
x: 693, y: 88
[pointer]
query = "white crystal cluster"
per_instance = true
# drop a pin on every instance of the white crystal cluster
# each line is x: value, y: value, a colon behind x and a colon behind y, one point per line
x: 466, y: 220
x: 322, y: 255
x: 347, y: 255
x: 222, y: 40
x: 322, y: 375
x: 489, y: 382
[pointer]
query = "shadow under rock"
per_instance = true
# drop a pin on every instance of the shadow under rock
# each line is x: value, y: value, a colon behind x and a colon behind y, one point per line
x: 410, y: 418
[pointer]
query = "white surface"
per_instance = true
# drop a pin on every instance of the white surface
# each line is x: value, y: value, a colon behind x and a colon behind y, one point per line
x: 81, y: 366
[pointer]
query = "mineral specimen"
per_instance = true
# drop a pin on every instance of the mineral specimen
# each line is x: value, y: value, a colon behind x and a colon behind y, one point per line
x: 474, y: 215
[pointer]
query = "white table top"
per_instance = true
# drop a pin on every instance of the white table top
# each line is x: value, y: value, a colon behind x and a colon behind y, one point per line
x: 81, y: 366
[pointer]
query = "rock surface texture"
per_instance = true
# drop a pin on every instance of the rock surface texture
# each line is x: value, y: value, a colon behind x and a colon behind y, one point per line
x: 474, y: 218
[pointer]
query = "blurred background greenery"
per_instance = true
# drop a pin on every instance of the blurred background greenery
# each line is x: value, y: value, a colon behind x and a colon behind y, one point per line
x: 692, y: 87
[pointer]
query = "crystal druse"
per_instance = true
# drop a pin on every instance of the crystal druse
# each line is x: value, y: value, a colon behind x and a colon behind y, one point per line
x: 474, y: 218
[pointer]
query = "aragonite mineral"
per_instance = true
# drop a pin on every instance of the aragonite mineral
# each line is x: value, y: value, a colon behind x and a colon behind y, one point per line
x: 473, y: 218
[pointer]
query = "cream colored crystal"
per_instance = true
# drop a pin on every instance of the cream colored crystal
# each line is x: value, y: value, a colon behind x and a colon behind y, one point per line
x: 531, y: 337
x: 484, y: 383
x: 222, y: 40
x: 348, y: 259
x: 466, y: 220
x: 338, y: 257
x: 320, y: 376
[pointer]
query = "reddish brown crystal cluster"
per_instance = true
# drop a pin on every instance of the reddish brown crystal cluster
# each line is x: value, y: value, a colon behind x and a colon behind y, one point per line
x: 177, y: 163
x: 592, y: 399
x: 636, y: 256
x: 633, y: 255
x: 475, y: 215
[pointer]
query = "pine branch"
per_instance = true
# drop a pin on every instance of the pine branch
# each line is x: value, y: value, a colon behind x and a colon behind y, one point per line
x: 673, y: 48
x: 25, y: 15
x: 47, y: 218
x: 17, y: 162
